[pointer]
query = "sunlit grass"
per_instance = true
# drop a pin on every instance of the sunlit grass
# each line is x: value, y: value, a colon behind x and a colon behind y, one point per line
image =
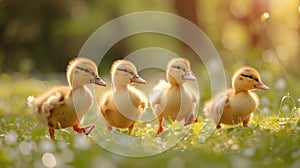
x: 271, y: 140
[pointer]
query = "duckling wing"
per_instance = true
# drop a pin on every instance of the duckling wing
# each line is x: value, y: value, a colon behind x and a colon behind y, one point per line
x: 138, y: 98
x: 255, y: 98
x: 106, y: 104
x: 158, y: 97
x: 214, y: 107
x: 46, y: 103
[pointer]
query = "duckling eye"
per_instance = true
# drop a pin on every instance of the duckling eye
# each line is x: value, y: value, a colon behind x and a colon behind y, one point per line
x: 83, y: 69
x: 126, y: 70
x: 250, y: 77
x: 247, y: 76
x: 86, y: 71
x: 177, y: 67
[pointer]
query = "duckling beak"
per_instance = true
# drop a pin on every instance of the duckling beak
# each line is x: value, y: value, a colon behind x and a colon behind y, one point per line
x: 261, y: 86
x: 137, y: 79
x: 188, y: 76
x: 98, y: 81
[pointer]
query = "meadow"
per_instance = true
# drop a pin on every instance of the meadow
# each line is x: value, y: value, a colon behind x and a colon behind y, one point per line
x: 271, y: 140
x: 39, y: 38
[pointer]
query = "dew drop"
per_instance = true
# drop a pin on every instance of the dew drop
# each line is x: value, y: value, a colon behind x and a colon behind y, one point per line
x: 148, y: 125
x: 46, y: 146
x: 81, y: 143
x: 11, y: 137
x: 49, y: 160
x: 280, y: 84
x: 235, y: 147
x: 230, y: 141
x: 249, y: 152
x: 25, y: 148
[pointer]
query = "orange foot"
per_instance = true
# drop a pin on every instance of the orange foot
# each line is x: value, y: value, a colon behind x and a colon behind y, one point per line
x: 84, y: 130
x: 160, y: 127
x: 245, y: 123
x: 51, y: 132
x: 130, y: 128
x: 190, y: 120
x: 109, y: 127
x: 218, y: 126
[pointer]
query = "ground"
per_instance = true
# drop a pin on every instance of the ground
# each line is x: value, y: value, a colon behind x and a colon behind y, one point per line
x: 271, y: 140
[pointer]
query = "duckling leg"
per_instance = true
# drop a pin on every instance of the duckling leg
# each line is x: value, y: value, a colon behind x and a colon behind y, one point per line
x: 130, y: 128
x: 246, y: 121
x: 190, y: 120
x: 160, y: 127
x: 218, y: 126
x: 85, y: 130
x: 88, y: 129
x: 51, y: 132
x: 109, y: 127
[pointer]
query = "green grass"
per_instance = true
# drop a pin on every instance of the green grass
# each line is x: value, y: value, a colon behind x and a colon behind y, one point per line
x: 271, y: 140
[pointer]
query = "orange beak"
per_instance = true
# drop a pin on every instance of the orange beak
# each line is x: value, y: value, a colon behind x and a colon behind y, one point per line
x: 188, y: 76
x: 261, y: 86
x: 98, y: 81
x: 137, y: 79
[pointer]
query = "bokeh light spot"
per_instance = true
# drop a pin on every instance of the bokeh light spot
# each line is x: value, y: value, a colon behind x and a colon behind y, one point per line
x: 11, y: 137
x: 268, y: 56
x: 265, y: 16
x: 49, y: 160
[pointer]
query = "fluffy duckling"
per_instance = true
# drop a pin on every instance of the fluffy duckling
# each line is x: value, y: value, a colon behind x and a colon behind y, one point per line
x: 124, y: 104
x: 173, y: 98
x: 65, y: 106
x: 236, y: 105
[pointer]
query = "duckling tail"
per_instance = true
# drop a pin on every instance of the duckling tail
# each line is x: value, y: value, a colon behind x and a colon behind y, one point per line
x: 30, y: 101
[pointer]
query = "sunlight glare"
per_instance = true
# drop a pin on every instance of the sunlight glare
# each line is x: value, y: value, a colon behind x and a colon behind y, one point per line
x: 265, y: 16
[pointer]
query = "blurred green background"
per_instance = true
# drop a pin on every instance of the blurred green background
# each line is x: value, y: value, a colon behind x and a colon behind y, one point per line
x: 43, y: 35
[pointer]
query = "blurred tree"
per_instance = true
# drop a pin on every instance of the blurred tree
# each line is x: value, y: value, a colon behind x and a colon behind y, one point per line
x: 188, y: 10
x: 44, y: 34
x: 26, y: 32
x: 254, y: 32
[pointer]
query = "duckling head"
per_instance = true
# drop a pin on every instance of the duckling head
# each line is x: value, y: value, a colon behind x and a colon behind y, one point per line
x: 82, y: 71
x: 179, y: 71
x: 247, y: 78
x: 124, y: 72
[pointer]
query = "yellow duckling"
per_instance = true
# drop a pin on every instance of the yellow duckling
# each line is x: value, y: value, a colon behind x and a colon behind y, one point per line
x: 65, y: 106
x: 174, y: 99
x: 123, y: 106
x: 236, y: 105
